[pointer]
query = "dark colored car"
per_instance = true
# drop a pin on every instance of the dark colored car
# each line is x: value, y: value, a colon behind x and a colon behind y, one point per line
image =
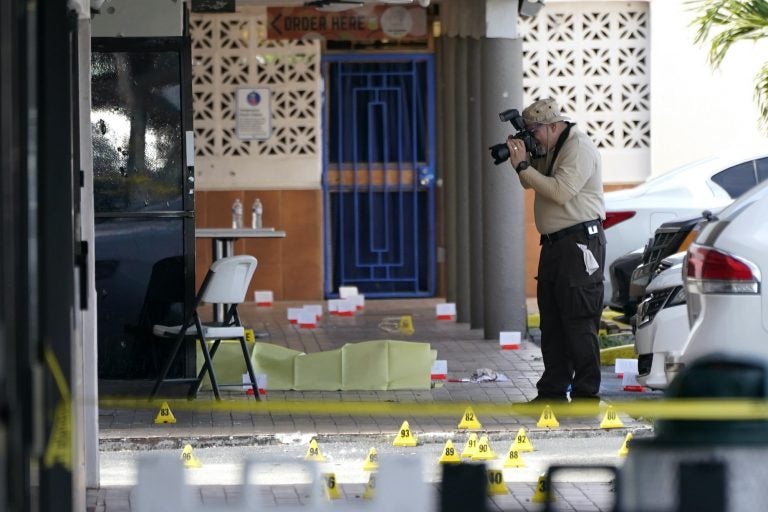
x: 631, y: 273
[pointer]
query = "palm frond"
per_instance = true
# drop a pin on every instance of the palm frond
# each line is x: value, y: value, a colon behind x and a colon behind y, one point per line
x: 761, y: 95
x: 728, y: 22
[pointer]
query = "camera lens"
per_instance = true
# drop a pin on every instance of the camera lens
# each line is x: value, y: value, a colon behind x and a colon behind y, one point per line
x: 500, y: 153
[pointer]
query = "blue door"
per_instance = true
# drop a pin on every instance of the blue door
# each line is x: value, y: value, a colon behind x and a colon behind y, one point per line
x: 378, y: 174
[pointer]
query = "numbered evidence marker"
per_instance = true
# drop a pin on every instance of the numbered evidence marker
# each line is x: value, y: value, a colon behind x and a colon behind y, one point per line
x: 540, y: 495
x: 522, y: 442
x: 406, y: 324
x: 496, y: 483
x: 624, y: 450
x: 164, y: 415
x: 405, y: 437
x: 514, y: 457
x: 190, y: 461
x: 449, y: 455
x: 371, y: 461
x: 469, y: 420
x: 313, y: 452
x: 331, y: 486
x: 611, y: 419
x: 547, y: 418
x: 471, y: 447
x: 370, y: 488
x: 483, y: 451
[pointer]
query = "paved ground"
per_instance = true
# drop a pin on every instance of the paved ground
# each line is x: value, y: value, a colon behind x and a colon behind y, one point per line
x: 465, y: 350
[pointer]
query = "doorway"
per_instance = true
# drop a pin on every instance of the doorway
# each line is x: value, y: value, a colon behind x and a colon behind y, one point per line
x: 378, y: 174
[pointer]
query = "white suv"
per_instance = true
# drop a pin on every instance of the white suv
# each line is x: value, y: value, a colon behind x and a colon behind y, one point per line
x: 632, y: 215
x: 724, y: 268
x: 661, y: 324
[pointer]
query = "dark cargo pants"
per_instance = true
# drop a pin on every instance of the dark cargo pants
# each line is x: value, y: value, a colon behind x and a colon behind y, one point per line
x: 570, y: 306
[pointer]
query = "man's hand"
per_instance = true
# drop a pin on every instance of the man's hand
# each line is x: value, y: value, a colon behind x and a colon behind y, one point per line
x: 516, y: 151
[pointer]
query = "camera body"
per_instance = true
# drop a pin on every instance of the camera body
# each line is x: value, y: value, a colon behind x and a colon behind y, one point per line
x: 500, y: 152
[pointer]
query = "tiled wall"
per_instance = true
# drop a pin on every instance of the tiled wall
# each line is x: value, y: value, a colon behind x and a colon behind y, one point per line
x: 292, y: 267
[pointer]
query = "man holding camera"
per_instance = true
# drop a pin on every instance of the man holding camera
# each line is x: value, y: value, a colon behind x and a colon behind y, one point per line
x: 568, y: 210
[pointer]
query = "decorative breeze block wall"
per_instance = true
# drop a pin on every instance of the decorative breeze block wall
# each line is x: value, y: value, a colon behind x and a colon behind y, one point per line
x: 593, y: 58
x: 230, y: 51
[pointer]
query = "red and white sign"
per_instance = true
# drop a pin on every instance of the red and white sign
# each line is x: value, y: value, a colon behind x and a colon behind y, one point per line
x: 622, y: 366
x: 346, y: 307
x: 446, y: 311
x: 440, y: 370
x: 263, y: 298
x: 346, y: 292
x: 307, y: 318
x: 509, y: 340
x: 261, y: 384
x: 293, y: 315
x: 365, y: 23
x: 629, y: 382
x: 316, y: 309
x: 358, y: 301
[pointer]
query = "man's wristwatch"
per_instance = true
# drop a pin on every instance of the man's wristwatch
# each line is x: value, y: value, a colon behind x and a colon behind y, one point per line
x: 522, y: 165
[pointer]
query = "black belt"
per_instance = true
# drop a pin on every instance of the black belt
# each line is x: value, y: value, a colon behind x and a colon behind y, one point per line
x: 576, y: 228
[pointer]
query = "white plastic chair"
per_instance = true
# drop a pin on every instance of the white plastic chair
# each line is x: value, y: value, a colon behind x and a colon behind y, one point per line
x: 226, y: 283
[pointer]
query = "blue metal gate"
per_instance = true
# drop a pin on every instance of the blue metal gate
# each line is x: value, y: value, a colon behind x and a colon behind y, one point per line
x: 378, y: 174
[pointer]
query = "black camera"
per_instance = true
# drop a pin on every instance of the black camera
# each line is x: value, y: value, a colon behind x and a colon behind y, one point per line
x: 500, y: 152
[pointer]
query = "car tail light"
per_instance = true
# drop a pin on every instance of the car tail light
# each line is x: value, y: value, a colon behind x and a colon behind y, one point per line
x: 613, y: 218
x: 714, y: 271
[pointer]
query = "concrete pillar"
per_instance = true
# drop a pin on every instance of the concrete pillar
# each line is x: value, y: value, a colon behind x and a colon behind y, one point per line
x: 440, y: 162
x: 449, y: 165
x: 503, y: 199
x: 85, y: 357
x: 461, y: 146
x: 475, y: 168
x: 495, y: 212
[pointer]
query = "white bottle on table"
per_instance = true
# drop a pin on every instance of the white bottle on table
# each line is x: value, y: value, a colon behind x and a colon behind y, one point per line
x: 237, y: 214
x: 257, y: 211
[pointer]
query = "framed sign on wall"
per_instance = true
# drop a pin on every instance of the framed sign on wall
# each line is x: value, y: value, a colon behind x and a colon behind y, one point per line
x: 253, y: 113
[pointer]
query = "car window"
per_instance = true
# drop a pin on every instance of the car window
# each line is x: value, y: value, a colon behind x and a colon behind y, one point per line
x: 762, y: 169
x: 758, y: 193
x: 737, y: 179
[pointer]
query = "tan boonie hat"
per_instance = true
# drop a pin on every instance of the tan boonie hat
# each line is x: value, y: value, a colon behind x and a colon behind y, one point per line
x: 543, y: 111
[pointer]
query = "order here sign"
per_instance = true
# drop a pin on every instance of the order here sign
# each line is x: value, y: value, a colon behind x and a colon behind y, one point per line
x: 368, y: 23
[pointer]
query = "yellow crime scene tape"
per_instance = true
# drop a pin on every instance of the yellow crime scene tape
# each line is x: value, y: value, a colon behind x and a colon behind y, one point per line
x: 671, y: 409
x: 59, y: 447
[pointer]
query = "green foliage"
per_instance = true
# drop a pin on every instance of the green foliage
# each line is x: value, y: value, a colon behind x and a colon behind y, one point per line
x: 724, y: 23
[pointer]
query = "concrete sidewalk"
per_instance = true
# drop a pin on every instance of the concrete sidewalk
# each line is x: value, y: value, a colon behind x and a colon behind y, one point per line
x: 465, y: 351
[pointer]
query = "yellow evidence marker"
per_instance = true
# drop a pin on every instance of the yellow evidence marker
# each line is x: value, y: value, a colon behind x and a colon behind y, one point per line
x: 471, y: 447
x: 483, y: 451
x: 371, y: 461
x: 313, y: 452
x: 469, y: 420
x: 496, y: 483
x: 514, y: 457
x: 406, y: 324
x: 611, y: 419
x: 370, y: 488
x: 449, y: 455
x: 624, y: 450
x: 164, y: 415
x: 331, y: 486
x: 190, y: 461
x: 547, y: 418
x: 405, y: 437
x: 540, y: 495
x: 522, y: 442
